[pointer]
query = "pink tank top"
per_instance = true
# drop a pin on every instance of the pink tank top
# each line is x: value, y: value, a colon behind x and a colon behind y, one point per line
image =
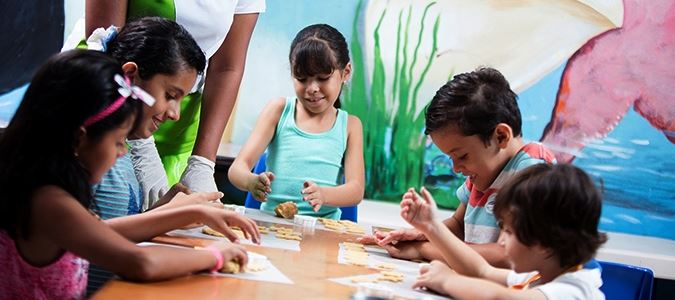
x: 64, y: 279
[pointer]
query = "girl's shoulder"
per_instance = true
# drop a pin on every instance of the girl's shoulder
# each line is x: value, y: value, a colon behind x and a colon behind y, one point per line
x: 277, y: 104
x: 354, y: 124
x: 51, y: 192
x: 274, y: 108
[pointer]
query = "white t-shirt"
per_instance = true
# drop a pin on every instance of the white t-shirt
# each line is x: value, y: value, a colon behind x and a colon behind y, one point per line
x: 209, y: 21
x: 583, y: 284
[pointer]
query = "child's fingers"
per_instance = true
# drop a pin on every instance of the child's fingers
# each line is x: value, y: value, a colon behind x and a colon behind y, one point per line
x: 215, y: 204
x: 308, y: 187
x: 179, y: 187
x: 250, y: 230
x: 419, y: 283
x: 210, y: 196
x: 386, y: 241
x: 307, y: 196
x: 393, y: 251
x: 426, y: 195
x: 229, y: 234
x: 259, y: 195
x: 408, y: 194
x: 367, y: 240
x: 316, y: 205
x: 406, y: 202
x: 265, y: 180
x: 415, y: 196
x: 239, y: 254
x: 406, y: 215
x: 254, y: 231
x: 424, y: 269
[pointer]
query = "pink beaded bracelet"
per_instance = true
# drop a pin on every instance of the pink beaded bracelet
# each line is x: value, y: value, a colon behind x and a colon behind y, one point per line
x: 219, y: 258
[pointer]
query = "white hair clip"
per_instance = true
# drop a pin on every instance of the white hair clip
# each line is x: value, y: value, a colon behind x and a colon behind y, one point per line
x: 126, y: 89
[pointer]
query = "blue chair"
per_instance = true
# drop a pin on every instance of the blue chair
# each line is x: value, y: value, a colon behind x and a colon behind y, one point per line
x: 620, y: 281
x: 348, y: 213
x: 259, y: 168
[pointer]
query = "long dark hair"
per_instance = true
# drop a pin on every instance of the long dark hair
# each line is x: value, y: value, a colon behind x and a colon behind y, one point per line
x: 157, y: 46
x: 38, y: 147
x: 318, y: 49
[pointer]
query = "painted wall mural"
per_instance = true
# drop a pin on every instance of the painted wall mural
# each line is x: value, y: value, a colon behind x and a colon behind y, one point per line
x: 595, y: 80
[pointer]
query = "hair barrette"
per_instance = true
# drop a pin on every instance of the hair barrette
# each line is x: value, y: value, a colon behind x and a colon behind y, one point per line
x: 126, y: 90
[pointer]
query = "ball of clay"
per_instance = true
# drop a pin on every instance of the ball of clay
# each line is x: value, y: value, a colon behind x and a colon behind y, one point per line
x: 231, y: 267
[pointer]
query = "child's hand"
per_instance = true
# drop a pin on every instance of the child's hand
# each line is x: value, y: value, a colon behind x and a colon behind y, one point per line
x: 183, y: 199
x: 221, y: 220
x: 367, y: 239
x: 398, y: 235
x: 232, y: 252
x: 404, y: 250
x: 433, y: 276
x: 418, y: 210
x: 312, y: 193
x: 261, y: 185
x: 177, y: 188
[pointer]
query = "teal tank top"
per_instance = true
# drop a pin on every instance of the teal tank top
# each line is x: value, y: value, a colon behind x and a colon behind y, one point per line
x: 294, y: 156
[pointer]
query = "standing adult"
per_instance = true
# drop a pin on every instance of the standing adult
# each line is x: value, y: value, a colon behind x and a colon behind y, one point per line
x: 223, y: 31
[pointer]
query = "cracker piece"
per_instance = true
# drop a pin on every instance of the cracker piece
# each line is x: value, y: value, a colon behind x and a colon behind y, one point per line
x: 354, y: 247
x: 255, y: 267
x: 363, y: 279
x: 390, y: 279
x: 357, y: 262
x: 346, y: 222
x: 355, y: 255
x: 391, y: 274
x: 286, y: 236
x: 210, y: 231
x: 333, y: 227
x: 386, y: 267
x: 355, y: 230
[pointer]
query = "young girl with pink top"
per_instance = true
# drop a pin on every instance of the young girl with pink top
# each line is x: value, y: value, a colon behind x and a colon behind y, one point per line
x: 69, y: 130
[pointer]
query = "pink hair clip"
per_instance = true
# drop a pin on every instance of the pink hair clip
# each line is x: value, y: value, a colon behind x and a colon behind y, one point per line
x: 126, y: 90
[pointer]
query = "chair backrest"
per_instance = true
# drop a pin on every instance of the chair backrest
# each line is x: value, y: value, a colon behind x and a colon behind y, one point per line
x: 620, y: 281
x: 348, y: 213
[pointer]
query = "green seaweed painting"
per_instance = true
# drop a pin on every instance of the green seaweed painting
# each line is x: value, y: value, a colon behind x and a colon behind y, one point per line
x: 395, y: 147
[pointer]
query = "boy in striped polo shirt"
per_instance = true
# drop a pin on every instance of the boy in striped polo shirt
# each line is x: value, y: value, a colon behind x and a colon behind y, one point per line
x: 475, y: 120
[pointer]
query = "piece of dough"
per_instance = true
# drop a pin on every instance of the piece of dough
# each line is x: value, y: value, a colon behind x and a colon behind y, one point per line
x: 286, y: 210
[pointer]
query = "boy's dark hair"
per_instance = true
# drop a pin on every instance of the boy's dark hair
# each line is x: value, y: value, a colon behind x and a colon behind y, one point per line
x: 157, y: 46
x: 555, y: 206
x: 475, y: 102
x: 38, y: 147
x: 318, y: 49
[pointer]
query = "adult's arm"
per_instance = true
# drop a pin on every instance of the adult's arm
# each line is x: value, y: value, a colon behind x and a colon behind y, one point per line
x: 103, y: 13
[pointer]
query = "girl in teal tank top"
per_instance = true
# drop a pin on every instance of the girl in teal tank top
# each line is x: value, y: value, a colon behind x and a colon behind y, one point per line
x: 312, y: 144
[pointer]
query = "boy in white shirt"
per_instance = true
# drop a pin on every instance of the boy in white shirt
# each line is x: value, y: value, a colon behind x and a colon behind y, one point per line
x: 549, y: 217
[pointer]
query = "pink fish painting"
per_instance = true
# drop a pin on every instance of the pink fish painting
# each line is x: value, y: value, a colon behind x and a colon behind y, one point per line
x: 631, y: 67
